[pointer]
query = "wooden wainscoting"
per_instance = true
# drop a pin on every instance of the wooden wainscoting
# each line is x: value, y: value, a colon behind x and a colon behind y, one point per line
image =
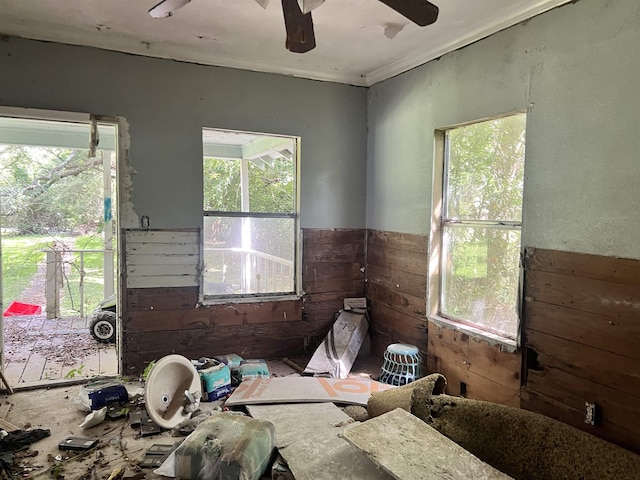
x: 582, y: 331
x: 333, y: 261
x: 162, y: 316
x: 397, y: 290
x: 474, y: 368
x: 396, y: 283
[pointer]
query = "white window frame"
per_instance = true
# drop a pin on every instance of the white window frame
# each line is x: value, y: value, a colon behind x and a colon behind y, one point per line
x: 297, y: 276
x: 436, y: 246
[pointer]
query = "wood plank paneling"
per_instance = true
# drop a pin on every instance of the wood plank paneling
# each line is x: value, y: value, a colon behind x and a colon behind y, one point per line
x: 617, y: 407
x: 621, y: 334
x: 411, y: 328
x: 397, y: 290
x: 333, y: 263
x: 536, y: 402
x: 162, y: 315
x: 488, y: 373
x: 161, y: 258
x: 582, y: 328
x: 381, y: 239
x: 409, y: 283
x: 615, y: 300
x: 396, y: 300
x: 597, y: 267
x: 584, y: 361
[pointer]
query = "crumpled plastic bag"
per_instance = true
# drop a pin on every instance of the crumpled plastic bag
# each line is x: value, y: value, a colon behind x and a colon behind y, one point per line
x: 94, y: 418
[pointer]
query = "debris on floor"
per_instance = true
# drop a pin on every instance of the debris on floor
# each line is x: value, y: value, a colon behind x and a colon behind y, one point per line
x: 337, y: 352
x: 128, y: 444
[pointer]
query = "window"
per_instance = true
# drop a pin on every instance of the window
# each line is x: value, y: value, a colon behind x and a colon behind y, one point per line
x: 250, y: 221
x: 480, y: 224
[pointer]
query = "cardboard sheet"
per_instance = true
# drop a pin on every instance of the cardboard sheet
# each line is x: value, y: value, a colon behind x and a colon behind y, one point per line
x: 303, y: 390
x: 337, y: 352
x: 409, y: 449
x: 307, y: 437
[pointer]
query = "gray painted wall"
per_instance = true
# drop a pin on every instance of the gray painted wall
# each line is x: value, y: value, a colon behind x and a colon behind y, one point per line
x: 577, y: 70
x: 167, y: 103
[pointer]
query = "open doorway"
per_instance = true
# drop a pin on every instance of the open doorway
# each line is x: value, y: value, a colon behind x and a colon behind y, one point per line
x: 58, y: 249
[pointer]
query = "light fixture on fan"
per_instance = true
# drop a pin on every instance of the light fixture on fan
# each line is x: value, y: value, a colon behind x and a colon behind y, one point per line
x: 166, y: 8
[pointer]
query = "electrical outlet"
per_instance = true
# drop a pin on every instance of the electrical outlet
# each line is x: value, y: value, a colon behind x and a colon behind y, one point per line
x: 463, y: 389
x: 590, y: 413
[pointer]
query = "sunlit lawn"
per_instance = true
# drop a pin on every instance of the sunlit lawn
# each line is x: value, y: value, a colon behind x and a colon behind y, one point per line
x: 22, y: 254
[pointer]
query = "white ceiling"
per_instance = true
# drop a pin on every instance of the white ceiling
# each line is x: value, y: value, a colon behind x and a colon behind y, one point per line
x: 351, y: 44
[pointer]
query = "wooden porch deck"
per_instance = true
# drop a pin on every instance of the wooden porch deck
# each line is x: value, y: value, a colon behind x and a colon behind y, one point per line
x: 40, y: 351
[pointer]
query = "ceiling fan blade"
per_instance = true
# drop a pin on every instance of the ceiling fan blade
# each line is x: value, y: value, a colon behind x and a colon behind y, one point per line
x: 299, y: 26
x: 166, y: 8
x: 420, y: 12
x: 263, y: 3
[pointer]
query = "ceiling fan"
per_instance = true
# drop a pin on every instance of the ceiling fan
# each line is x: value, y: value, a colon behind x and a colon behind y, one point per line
x: 298, y: 21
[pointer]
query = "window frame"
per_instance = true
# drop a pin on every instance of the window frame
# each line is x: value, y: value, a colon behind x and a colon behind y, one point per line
x: 440, y: 224
x: 296, y: 293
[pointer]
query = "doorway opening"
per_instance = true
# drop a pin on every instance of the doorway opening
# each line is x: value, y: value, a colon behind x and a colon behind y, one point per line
x: 58, y: 248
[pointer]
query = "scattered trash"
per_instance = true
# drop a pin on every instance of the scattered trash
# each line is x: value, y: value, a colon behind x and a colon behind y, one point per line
x: 78, y: 443
x: 280, y: 470
x: 19, y: 439
x: 253, y: 369
x: 96, y: 394
x: 96, y: 417
x: 116, y: 474
x: 18, y: 308
x: 224, y: 446
x: 215, y: 377
x: 116, y: 411
x: 303, y: 390
x: 148, y: 427
x: 231, y: 360
x: 157, y: 454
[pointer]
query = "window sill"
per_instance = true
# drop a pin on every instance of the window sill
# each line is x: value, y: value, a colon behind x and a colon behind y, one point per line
x: 505, y: 344
x: 205, y: 302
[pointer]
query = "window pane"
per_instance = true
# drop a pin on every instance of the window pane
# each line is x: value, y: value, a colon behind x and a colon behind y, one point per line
x: 480, y: 277
x: 486, y: 170
x: 248, y: 255
x: 272, y: 185
x: 222, y: 185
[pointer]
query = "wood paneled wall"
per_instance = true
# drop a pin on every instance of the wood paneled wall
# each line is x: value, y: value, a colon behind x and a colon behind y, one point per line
x: 396, y: 289
x: 474, y: 368
x: 161, y: 313
x: 582, y: 337
x: 332, y: 268
x: 397, y: 266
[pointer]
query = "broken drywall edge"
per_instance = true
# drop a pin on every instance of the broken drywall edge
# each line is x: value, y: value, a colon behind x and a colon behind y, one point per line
x: 128, y: 216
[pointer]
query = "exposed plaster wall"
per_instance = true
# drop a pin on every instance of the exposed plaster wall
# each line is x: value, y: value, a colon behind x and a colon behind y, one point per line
x: 128, y: 217
x: 576, y: 70
x: 167, y: 103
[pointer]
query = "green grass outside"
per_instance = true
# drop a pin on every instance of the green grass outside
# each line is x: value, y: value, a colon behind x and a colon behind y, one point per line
x: 20, y: 259
x: 22, y: 254
x: 93, y: 280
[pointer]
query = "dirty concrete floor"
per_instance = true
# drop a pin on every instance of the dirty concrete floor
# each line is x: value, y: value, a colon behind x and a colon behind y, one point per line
x: 120, y: 445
